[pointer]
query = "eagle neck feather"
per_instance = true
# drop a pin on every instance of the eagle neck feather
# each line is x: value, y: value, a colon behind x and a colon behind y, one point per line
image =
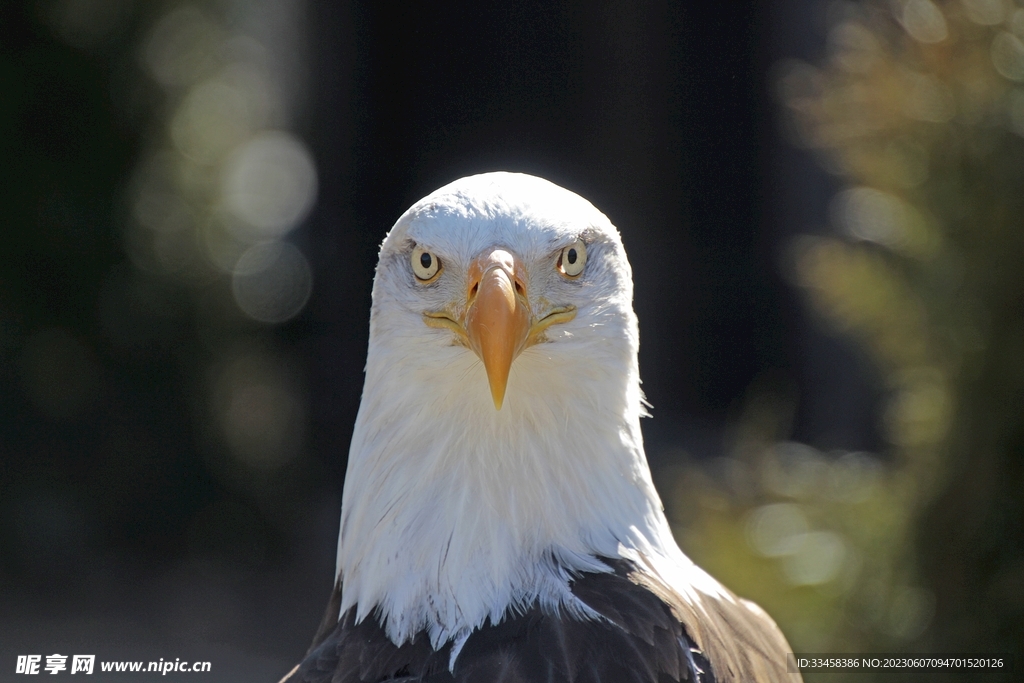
x: 457, y: 522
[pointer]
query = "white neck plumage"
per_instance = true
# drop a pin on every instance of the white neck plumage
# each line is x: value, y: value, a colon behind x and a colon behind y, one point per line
x: 454, y: 512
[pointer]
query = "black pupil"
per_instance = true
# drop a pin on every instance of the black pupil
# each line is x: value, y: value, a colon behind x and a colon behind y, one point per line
x: 571, y: 256
x: 425, y: 260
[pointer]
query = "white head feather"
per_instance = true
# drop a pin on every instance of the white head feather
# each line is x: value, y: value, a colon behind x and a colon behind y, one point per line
x: 454, y: 511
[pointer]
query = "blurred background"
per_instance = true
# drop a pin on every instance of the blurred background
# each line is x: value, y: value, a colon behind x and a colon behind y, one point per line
x: 823, y: 204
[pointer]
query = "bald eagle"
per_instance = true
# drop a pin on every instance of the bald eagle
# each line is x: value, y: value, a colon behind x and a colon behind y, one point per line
x: 498, y: 521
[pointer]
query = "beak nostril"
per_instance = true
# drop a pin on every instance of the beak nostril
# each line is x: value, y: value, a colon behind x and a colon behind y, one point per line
x: 519, y: 288
x: 474, y: 288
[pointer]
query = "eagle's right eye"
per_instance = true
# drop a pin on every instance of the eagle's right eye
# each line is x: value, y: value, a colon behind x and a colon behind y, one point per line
x: 425, y: 266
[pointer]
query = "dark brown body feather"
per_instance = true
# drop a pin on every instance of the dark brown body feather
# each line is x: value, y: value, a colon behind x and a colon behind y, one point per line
x: 638, y: 640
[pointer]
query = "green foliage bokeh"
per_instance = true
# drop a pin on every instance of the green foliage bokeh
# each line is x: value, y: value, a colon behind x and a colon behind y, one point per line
x: 919, y: 111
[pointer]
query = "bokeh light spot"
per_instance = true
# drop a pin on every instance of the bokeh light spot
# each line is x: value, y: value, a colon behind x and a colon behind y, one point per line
x: 793, y: 469
x: 872, y: 215
x: 923, y: 21
x: 1016, y: 23
x: 910, y: 611
x: 182, y: 47
x: 260, y: 411
x: 221, y: 244
x: 855, y: 477
x: 1008, y: 56
x: 985, y: 12
x: 213, y: 119
x: 272, y: 282
x: 270, y: 183
x: 776, y: 530
x: 818, y: 558
x: 854, y: 48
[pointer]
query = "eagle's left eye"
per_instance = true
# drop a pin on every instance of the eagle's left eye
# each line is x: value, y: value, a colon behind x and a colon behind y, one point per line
x: 425, y: 265
x: 572, y: 259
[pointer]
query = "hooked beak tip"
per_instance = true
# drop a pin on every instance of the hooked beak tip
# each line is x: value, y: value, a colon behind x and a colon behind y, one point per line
x: 498, y: 394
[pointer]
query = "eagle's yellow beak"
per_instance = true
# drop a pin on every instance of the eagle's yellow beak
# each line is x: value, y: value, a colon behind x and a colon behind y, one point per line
x: 498, y: 316
x: 498, y: 322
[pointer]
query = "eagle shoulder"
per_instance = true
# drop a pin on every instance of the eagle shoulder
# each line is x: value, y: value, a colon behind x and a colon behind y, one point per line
x: 638, y: 639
